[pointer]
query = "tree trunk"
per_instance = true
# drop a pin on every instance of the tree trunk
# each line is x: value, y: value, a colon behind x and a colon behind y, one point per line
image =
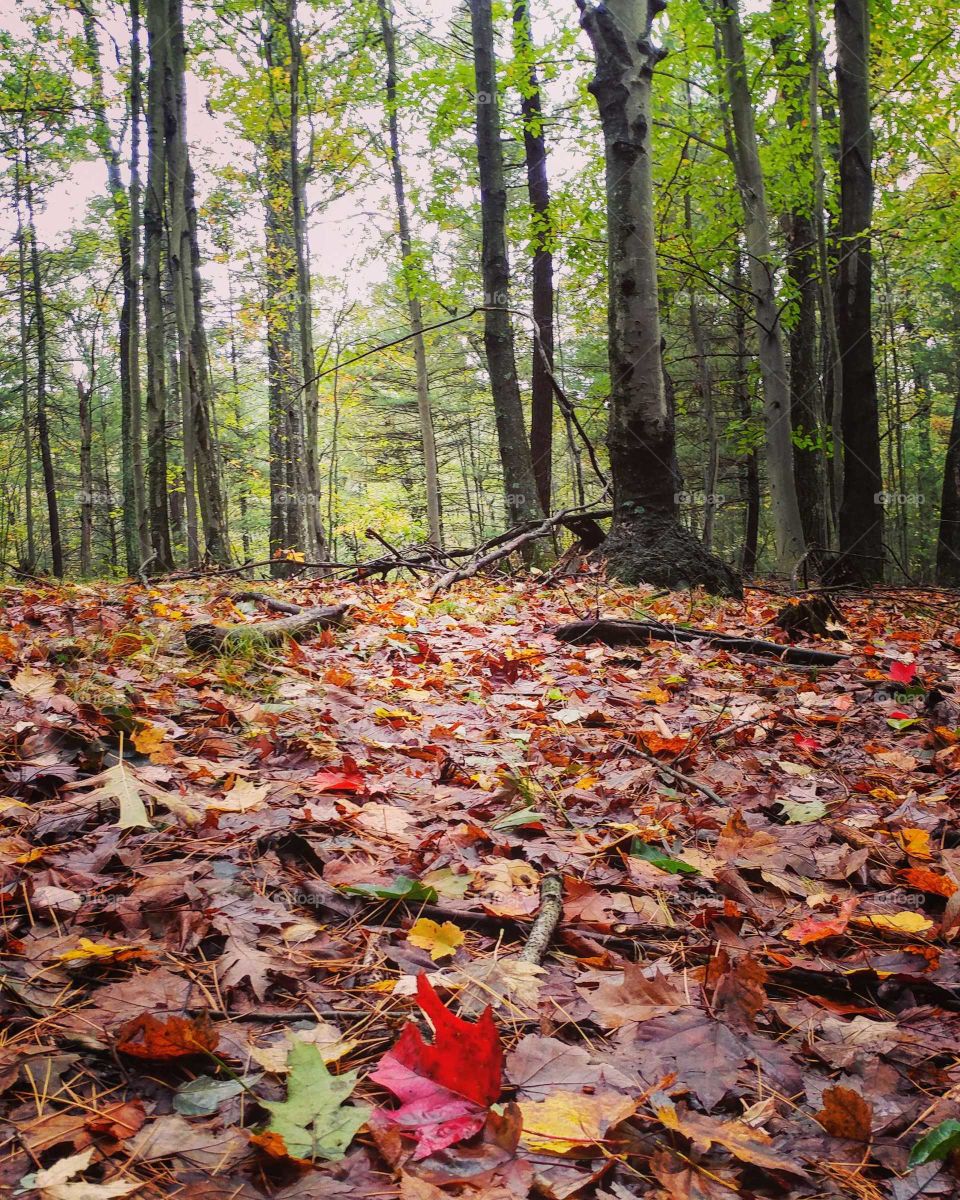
x: 861, y: 512
x: 25, y: 419
x: 155, y: 341
x: 948, y: 538
x: 85, y: 419
x: 196, y: 389
x: 520, y: 491
x: 750, y: 477
x: 646, y: 541
x: 410, y: 283
x: 788, y: 527
x: 136, y: 391
x: 806, y: 410
x: 538, y: 193
x: 43, y: 427
x: 123, y: 222
x: 313, y: 518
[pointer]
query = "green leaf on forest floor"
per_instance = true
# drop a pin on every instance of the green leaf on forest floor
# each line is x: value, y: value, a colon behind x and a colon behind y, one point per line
x: 201, y: 1097
x: 938, y: 1143
x: 402, y: 888
x: 313, y: 1121
x: 518, y: 819
x: 802, y: 812
x: 655, y: 856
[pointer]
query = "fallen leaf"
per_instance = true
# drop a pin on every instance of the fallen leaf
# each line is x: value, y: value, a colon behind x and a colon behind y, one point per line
x: 846, y: 1114
x: 147, y: 1036
x: 118, y: 783
x: 313, y: 1121
x: 570, y: 1121
x: 85, y: 950
x: 899, y: 922
x: 940, y: 1142
x: 441, y: 940
x: 54, y: 1183
x: 638, y: 998
x: 749, y: 1145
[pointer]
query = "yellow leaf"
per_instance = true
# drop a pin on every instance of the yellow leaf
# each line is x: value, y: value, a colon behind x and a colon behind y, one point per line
x: 440, y: 940
x: 241, y: 798
x: 914, y: 841
x: 569, y: 1121
x: 394, y: 714
x: 900, y: 922
x: 657, y: 694
x: 39, y: 685
x: 148, y: 739
x: 87, y: 949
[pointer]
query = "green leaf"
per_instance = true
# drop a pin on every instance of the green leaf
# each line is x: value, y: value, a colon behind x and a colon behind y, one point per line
x: 313, y: 1121
x: 518, y: 819
x: 201, y: 1097
x: 675, y: 866
x: 938, y: 1143
x: 803, y: 812
x: 402, y: 888
x: 901, y: 723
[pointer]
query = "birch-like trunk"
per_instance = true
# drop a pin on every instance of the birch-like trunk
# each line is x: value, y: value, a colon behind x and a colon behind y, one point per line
x: 785, y: 509
x: 647, y: 541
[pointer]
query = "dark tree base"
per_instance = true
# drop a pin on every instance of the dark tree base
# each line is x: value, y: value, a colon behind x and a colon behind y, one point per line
x: 649, y: 548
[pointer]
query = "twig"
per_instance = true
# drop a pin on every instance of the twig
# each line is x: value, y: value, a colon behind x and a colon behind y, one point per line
x: 675, y: 774
x: 548, y: 918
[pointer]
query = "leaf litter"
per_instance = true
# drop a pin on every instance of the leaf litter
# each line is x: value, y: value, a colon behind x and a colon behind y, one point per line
x: 262, y: 918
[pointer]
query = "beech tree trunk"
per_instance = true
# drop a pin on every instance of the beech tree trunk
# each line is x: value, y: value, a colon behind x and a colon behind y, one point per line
x: 43, y: 424
x: 538, y: 194
x: 155, y: 341
x: 750, y: 471
x: 794, y: 64
x: 520, y: 492
x: 785, y: 510
x: 414, y: 307
x: 646, y: 541
x: 861, y: 509
x: 131, y: 455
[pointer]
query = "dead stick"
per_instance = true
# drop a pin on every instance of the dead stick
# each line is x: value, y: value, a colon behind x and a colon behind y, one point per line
x: 674, y: 774
x: 548, y: 918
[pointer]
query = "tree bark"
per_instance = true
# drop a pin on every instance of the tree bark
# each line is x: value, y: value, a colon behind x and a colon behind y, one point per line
x: 785, y: 510
x: 794, y: 65
x: 646, y: 541
x: 131, y: 457
x: 155, y: 341
x: 538, y: 194
x: 25, y: 417
x: 948, y: 537
x: 85, y: 421
x: 861, y: 512
x: 196, y: 389
x: 136, y: 391
x: 43, y: 425
x: 410, y: 272
x: 520, y: 491
x: 750, y: 477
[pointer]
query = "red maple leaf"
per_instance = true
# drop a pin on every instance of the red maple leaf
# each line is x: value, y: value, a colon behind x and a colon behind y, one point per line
x: 445, y: 1085
x: 902, y: 672
x: 347, y: 779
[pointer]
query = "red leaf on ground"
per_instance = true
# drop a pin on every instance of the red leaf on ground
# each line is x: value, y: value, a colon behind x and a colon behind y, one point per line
x: 347, y: 779
x: 445, y: 1086
x: 901, y: 672
x: 814, y: 929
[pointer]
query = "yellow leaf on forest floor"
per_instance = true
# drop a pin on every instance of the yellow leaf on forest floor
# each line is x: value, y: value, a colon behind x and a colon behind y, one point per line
x: 241, y: 798
x: 568, y: 1121
x: 914, y: 841
x: 148, y: 739
x: 86, y: 949
x: 440, y: 940
x: 899, y: 922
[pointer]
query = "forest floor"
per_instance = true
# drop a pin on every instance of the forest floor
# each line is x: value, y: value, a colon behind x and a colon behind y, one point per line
x: 220, y: 876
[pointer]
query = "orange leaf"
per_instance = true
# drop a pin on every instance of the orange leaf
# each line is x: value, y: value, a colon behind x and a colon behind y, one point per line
x: 845, y: 1114
x: 929, y: 881
x: 175, y: 1037
x: 815, y: 929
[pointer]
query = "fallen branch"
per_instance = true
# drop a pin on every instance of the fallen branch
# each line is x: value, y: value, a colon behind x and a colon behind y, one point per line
x: 219, y: 639
x: 617, y: 632
x: 548, y: 918
x: 512, y: 541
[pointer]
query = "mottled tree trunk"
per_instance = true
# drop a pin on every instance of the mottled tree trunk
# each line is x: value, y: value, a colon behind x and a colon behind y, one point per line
x: 520, y: 491
x: 750, y: 475
x: 788, y: 527
x: 861, y: 513
x: 948, y: 537
x: 131, y: 456
x: 85, y: 420
x: 541, y: 294
x: 43, y: 424
x: 646, y: 541
x: 155, y: 341
x: 414, y: 307
x: 26, y: 421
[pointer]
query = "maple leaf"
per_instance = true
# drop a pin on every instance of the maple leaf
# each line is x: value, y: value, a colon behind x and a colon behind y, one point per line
x: 240, y: 961
x: 749, y: 1145
x: 637, y: 998
x: 57, y: 1181
x: 86, y: 950
x: 447, y: 1085
x: 903, y: 672
x: 347, y: 779
x: 147, y: 1036
x: 314, y: 1122
x: 570, y: 1121
x: 441, y: 940
x: 119, y: 784
x: 815, y: 929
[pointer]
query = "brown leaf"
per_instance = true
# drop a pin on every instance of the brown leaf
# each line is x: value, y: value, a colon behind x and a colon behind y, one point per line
x: 740, y: 993
x: 637, y: 998
x: 174, y: 1037
x: 846, y: 1114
